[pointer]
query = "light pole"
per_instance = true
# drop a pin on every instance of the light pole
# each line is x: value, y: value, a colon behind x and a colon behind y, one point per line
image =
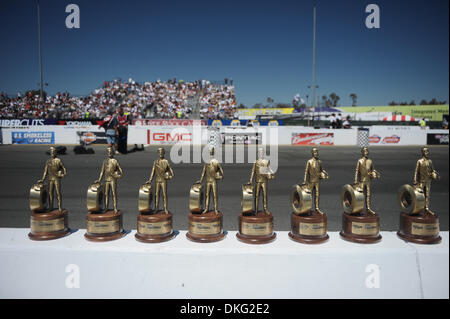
x: 41, y: 82
x: 313, y: 86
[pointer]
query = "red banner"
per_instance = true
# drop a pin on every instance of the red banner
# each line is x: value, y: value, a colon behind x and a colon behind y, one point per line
x: 312, y: 139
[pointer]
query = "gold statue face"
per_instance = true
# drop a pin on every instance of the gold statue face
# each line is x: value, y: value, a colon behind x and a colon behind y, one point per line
x: 365, y: 152
x: 110, y: 152
x: 260, y: 153
x: 161, y: 152
x: 425, y: 152
x: 52, y: 152
x: 211, y: 151
x: 315, y: 153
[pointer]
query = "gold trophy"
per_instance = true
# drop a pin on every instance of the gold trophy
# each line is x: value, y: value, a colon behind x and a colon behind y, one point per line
x: 358, y: 224
x: 418, y: 224
x: 46, y: 222
x: 309, y: 226
x: 104, y: 224
x: 155, y: 226
x: 255, y: 226
x: 205, y: 225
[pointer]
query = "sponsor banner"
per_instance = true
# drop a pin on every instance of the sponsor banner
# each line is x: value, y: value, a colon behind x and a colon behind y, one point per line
x: 33, y: 137
x: 75, y: 123
x: 396, y: 135
x: 89, y: 137
x: 164, y: 137
x: 26, y: 122
x: 169, y: 122
x: 392, y: 139
x: 437, y: 139
x: 326, y: 138
x: 376, y: 113
x: 237, y: 123
x: 248, y: 114
x: 241, y: 138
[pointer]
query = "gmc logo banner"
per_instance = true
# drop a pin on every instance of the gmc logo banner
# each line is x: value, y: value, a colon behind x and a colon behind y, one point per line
x: 155, y: 137
x: 241, y: 138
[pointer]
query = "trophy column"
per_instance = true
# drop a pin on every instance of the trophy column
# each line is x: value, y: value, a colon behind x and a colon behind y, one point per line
x: 203, y: 227
x: 308, y: 225
x: 255, y: 226
x: 104, y: 224
x: 360, y: 224
x: 418, y: 224
x: 45, y: 223
x: 155, y: 226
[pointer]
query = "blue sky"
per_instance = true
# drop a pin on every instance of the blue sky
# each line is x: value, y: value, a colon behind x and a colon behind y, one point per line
x: 265, y: 46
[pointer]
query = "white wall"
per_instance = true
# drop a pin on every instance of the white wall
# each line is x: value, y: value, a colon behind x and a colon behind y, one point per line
x: 179, y: 268
x: 283, y: 135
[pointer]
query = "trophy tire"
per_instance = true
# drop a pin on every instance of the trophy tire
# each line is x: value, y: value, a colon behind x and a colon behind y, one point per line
x: 352, y: 200
x: 411, y: 200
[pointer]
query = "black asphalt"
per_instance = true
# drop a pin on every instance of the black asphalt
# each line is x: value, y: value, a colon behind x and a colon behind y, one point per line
x: 21, y: 166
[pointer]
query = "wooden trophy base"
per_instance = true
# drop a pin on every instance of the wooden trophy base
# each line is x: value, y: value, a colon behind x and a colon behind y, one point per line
x: 420, y: 229
x: 48, y: 225
x: 104, y: 226
x: 256, y: 229
x: 363, y: 228
x: 154, y: 227
x: 205, y: 228
x: 309, y: 228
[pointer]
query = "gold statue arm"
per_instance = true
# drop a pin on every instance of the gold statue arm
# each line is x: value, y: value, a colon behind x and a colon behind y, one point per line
x: 170, y: 170
x: 305, y: 178
x: 434, y: 173
x: 252, y: 175
x: 63, y: 169
x: 357, y: 173
x: 323, y: 171
x: 220, y: 169
x: 119, y: 169
x: 152, y: 174
x: 416, y: 173
x: 203, y: 175
x: 45, y: 174
x: 101, y: 173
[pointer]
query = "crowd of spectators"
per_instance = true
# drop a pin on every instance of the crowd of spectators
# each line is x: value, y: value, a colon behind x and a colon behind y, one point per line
x: 218, y: 101
x: 169, y: 99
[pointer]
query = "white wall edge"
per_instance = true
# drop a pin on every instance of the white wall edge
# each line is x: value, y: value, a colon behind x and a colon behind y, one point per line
x: 227, y: 269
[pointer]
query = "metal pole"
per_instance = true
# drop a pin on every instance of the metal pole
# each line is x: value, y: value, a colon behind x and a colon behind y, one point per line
x: 40, y: 52
x: 313, y: 102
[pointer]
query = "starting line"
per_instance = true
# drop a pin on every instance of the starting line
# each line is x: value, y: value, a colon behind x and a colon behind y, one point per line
x: 72, y: 267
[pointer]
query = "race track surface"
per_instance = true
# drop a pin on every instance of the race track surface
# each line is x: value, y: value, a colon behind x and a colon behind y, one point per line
x: 22, y: 165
